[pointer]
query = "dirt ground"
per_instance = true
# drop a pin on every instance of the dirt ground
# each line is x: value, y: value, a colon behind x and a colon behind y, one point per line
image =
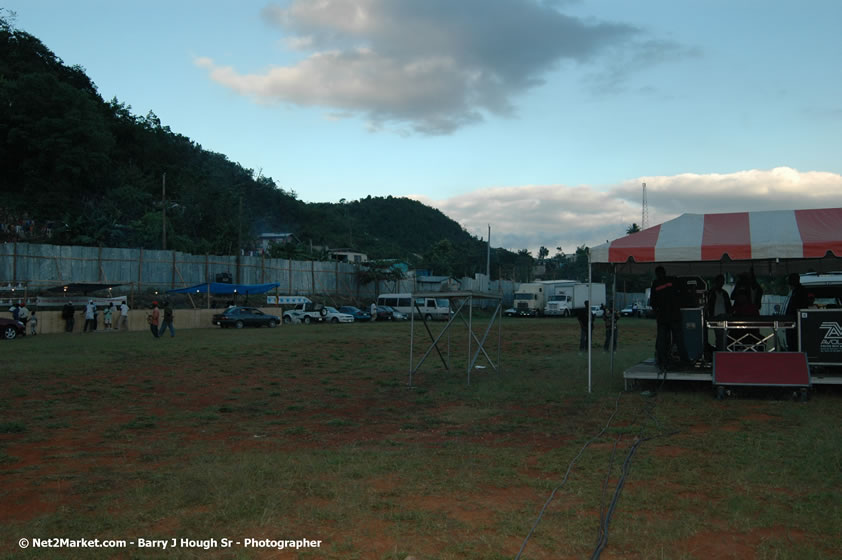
x: 89, y: 438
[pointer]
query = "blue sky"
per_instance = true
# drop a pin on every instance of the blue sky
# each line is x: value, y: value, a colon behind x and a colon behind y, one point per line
x: 539, y: 118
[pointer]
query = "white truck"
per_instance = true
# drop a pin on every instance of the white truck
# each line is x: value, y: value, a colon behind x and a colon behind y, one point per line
x: 529, y: 300
x: 572, y: 296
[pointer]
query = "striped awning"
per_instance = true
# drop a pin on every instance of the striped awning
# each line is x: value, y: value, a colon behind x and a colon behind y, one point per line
x: 737, y: 236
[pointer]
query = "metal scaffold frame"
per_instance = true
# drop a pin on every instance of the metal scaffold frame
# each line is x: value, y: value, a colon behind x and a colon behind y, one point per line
x: 476, y: 345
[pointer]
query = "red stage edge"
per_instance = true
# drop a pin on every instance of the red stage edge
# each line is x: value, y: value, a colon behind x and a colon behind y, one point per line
x: 771, y: 369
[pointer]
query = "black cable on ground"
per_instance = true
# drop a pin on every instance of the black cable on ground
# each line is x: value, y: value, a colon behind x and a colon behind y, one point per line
x: 567, y: 474
x: 618, y: 490
x: 602, y: 525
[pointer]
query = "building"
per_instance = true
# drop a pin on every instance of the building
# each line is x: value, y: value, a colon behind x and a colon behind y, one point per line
x: 266, y: 239
x: 348, y: 256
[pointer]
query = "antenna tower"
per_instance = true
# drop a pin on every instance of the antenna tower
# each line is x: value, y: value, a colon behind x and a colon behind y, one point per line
x: 644, y: 214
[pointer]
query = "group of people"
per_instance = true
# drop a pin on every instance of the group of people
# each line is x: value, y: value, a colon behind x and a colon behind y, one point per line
x: 113, y: 317
x: 160, y: 322
x: 22, y: 313
x: 609, y: 318
x: 110, y: 314
x: 744, y: 301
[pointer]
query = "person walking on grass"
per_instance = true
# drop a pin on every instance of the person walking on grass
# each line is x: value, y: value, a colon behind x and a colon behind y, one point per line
x: 124, y: 316
x: 583, y: 315
x: 167, y: 322
x: 33, y: 324
x: 106, y: 315
x: 23, y: 314
x: 610, y: 316
x: 67, y: 314
x: 152, y: 318
x: 90, y: 317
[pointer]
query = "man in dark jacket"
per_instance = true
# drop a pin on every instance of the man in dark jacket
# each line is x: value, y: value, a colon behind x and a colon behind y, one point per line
x: 583, y: 316
x: 664, y: 301
x: 67, y: 314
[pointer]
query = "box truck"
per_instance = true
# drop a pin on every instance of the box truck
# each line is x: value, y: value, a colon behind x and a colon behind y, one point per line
x: 566, y: 298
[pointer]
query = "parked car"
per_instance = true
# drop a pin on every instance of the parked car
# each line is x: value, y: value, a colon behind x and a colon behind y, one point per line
x: 515, y: 312
x: 11, y: 329
x: 305, y: 313
x: 357, y: 313
x: 630, y: 311
x: 239, y: 317
x: 389, y: 313
x: 597, y: 311
x: 334, y: 316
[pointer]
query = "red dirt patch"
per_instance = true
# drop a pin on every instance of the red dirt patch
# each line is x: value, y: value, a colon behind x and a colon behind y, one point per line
x: 734, y: 545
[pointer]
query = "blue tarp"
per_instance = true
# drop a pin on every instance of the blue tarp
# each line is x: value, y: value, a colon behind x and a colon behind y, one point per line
x: 220, y: 288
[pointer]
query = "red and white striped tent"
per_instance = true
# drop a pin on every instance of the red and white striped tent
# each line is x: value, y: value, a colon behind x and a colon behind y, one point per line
x: 773, y: 242
x: 782, y: 240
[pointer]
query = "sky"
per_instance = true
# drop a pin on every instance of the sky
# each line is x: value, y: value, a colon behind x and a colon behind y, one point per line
x: 542, y: 119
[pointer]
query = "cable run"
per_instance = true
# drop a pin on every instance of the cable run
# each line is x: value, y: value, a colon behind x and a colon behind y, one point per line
x: 567, y: 474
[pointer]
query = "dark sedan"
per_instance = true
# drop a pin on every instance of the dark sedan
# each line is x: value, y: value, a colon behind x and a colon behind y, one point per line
x: 239, y: 317
x: 356, y: 312
x: 388, y: 313
x: 12, y: 329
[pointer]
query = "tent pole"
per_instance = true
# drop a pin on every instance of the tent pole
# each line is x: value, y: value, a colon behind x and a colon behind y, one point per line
x: 612, y: 323
x: 590, y: 317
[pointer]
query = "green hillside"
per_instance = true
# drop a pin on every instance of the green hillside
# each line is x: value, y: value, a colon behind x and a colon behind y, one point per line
x: 85, y: 171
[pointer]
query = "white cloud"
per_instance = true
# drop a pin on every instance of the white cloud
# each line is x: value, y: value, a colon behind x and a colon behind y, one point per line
x: 428, y: 66
x: 570, y: 216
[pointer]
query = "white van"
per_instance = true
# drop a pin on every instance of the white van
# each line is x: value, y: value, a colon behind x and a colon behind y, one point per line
x: 431, y: 307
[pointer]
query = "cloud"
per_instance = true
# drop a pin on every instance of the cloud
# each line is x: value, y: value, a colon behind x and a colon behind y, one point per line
x: 430, y: 66
x: 527, y: 217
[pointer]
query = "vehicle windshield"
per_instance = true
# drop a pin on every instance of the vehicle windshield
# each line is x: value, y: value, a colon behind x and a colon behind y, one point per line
x: 442, y: 303
x: 525, y: 296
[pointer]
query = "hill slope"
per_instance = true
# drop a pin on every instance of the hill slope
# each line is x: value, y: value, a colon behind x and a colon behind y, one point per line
x: 93, y: 173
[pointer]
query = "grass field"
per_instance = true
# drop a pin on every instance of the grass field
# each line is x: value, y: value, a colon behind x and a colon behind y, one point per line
x: 311, y: 432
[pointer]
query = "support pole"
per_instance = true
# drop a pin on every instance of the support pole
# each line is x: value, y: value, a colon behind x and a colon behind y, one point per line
x: 411, y: 344
x: 164, y: 212
x: 139, y: 270
x: 470, y: 334
x: 590, y: 319
x: 613, y: 323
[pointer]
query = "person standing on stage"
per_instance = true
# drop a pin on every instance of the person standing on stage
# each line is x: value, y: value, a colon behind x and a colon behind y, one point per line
x: 718, y: 305
x: 664, y: 302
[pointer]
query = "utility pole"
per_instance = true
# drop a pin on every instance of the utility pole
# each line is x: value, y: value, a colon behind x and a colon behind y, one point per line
x: 488, y: 258
x: 239, y: 237
x: 164, y: 213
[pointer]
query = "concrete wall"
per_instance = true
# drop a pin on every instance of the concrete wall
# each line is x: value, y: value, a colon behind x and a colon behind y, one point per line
x: 140, y: 271
x: 51, y: 321
x: 42, y: 266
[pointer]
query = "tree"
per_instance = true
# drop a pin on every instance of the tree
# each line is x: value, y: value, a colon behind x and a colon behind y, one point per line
x: 439, y: 258
x: 379, y: 271
x: 523, y: 265
x: 634, y: 228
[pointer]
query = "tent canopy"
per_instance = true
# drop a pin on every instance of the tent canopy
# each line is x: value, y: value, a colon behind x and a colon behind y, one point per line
x: 775, y: 242
x: 222, y: 288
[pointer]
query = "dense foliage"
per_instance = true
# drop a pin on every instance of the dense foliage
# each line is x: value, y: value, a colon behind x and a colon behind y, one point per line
x: 81, y: 170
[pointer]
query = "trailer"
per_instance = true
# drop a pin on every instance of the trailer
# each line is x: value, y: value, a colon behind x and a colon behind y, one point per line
x: 572, y: 296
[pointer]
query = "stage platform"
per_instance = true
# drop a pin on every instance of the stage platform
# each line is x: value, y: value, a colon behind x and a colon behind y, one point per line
x: 648, y: 371
x: 825, y: 378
